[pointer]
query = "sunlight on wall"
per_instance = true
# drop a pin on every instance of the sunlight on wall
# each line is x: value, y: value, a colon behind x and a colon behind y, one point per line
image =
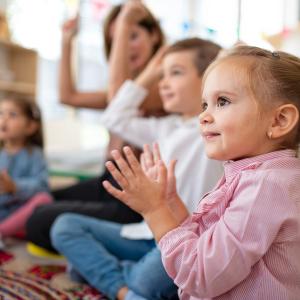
x: 36, y: 24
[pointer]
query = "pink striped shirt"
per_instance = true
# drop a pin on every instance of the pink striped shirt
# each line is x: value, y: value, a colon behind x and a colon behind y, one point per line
x: 244, y: 240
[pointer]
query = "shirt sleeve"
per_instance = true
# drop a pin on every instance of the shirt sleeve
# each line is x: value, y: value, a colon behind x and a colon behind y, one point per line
x: 122, y: 116
x: 36, y: 180
x: 209, y: 262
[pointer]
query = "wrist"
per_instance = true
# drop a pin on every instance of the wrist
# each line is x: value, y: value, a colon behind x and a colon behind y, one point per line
x: 146, y: 80
x: 161, y: 221
x: 66, y: 40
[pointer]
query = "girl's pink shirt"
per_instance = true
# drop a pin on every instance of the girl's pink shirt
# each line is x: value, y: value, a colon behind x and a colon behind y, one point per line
x: 244, y: 240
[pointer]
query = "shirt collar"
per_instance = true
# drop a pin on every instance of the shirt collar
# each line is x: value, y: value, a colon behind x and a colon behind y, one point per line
x: 232, y: 168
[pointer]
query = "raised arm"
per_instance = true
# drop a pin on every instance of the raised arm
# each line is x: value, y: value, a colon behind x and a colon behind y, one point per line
x: 119, y: 61
x: 149, y: 79
x: 68, y: 93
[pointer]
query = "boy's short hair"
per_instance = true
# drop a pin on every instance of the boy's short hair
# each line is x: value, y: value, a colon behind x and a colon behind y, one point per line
x: 205, y: 51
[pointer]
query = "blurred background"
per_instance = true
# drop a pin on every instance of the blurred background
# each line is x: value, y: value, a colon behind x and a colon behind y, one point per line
x: 36, y: 25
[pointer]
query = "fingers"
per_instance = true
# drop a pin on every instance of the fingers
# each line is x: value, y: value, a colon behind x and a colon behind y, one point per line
x: 172, y: 167
x: 144, y: 166
x: 128, y: 169
x: 133, y: 162
x: 143, y: 163
x: 157, y: 58
x: 148, y: 157
x: 156, y: 153
x: 122, y: 164
x: 162, y: 173
x: 113, y: 191
x: 151, y: 158
x: 171, y: 174
x: 135, y: 10
x: 116, y: 174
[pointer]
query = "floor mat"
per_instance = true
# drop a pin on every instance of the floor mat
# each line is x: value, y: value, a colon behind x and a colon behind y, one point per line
x: 21, y: 286
x: 22, y: 277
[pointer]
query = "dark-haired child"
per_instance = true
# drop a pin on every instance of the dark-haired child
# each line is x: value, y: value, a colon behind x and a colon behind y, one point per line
x: 23, y: 170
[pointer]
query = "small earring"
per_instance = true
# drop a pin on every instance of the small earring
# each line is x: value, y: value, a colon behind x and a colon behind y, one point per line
x: 270, y: 133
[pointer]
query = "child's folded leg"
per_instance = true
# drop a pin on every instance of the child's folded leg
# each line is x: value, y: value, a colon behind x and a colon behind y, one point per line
x: 17, y: 220
x: 74, y: 275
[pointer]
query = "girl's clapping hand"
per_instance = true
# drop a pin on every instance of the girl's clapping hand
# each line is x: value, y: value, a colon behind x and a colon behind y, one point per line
x: 150, y: 161
x: 143, y: 189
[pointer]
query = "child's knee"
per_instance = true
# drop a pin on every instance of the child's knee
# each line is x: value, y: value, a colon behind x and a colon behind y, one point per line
x: 62, y: 228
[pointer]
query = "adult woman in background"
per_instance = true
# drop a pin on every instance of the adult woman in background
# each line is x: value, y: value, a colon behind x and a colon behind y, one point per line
x: 132, y: 36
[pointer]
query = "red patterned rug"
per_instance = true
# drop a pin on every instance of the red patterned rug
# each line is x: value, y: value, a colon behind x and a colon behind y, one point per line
x: 36, y: 282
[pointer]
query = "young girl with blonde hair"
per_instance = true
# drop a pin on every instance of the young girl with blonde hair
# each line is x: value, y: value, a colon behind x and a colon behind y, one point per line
x: 243, y: 242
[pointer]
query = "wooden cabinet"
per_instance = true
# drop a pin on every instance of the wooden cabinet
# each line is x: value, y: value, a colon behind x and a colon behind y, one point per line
x: 18, y: 69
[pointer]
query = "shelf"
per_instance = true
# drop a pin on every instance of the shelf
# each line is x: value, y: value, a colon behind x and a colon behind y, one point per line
x: 18, y: 69
x: 17, y: 87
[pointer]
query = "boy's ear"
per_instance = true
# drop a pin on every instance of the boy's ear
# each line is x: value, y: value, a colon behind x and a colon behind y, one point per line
x: 31, y: 128
x: 285, y: 118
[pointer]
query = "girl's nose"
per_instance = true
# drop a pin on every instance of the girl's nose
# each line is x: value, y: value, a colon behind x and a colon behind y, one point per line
x: 162, y: 83
x: 205, y: 117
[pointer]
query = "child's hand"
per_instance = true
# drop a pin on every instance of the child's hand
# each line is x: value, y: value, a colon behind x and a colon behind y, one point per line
x: 150, y: 163
x: 142, y: 193
x: 153, y: 70
x: 7, y: 185
x: 132, y: 12
x: 70, y: 28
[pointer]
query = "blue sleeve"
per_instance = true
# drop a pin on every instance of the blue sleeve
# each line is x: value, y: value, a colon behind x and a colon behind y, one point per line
x: 37, y: 178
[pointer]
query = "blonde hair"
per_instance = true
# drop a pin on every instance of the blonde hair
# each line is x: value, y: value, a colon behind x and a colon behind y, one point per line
x: 273, y: 77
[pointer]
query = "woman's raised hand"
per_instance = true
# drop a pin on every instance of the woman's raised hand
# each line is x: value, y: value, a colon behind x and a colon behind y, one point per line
x: 70, y: 28
x: 132, y: 12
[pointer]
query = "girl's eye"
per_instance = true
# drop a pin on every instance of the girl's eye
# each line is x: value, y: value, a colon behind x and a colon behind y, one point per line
x: 204, y: 106
x: 133, y: 36
x: 222, y: 102
x: 13, y: 114
x: 176, y: 72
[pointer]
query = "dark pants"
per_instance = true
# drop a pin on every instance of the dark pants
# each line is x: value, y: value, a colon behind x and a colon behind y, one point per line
x: 87, y: 198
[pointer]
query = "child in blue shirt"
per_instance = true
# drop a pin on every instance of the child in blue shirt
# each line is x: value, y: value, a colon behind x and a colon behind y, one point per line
x: 23, y: 169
